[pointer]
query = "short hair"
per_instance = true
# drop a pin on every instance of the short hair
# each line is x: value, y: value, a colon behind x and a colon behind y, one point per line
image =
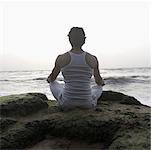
x: 76, y: 36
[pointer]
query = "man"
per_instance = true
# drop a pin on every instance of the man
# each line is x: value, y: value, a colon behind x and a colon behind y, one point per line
x: 77, y: 67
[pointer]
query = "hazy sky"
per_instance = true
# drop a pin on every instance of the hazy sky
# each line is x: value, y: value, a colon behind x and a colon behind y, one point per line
x: 33, y: 33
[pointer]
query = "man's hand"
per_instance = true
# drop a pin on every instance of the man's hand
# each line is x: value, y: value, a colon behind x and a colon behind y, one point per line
x: 49, y: 79
x: 102, y: 82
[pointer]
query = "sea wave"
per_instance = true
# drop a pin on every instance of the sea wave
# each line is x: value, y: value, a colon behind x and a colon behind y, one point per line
x: 33, y: 79
x: 43, y: 78
x: 4, y: 80
x: 108, y: 80
x: 40, y: 78
x: 127, y: 80
x: 140, y: 76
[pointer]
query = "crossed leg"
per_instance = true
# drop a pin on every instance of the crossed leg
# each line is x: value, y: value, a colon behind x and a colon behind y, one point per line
x: 57, y: 89
x: 96, y: 92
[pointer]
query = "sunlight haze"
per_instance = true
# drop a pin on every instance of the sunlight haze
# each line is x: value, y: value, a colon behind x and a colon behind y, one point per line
x: 34, y: 33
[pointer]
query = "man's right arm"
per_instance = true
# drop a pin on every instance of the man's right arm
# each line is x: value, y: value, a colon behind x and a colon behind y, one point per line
x: 56, y: 70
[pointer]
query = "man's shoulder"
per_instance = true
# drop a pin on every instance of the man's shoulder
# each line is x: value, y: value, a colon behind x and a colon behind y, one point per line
x: 63, y: 59
x: 91, y: 60
x: 60, y: 57
x: 63, y: 55
x: 91, y: 56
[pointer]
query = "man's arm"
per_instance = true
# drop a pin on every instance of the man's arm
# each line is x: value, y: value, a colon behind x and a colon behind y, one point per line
x: 98, y: 78
x: 56, y: 70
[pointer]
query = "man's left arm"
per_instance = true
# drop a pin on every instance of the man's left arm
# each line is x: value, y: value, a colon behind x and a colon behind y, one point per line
x: 56, y: 70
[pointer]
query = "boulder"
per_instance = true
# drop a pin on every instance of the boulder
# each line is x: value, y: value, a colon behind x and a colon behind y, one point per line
x: 114, y: 124
x: 118, y: 97
x: 22, y: 104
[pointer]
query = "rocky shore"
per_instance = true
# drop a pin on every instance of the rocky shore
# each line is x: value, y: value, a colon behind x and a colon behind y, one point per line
x: 31, y: 121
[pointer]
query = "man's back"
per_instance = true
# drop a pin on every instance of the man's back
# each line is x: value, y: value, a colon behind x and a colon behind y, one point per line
x: 77, y: 74
x: 90, y: 59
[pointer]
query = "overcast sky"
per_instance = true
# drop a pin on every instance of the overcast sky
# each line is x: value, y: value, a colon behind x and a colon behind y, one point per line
x: 32, y: 34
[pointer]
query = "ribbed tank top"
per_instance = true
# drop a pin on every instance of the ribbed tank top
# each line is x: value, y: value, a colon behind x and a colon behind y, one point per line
x: 77, y: 77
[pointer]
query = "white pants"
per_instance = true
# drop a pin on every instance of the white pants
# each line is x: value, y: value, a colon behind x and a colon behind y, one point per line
x: 57, y: 89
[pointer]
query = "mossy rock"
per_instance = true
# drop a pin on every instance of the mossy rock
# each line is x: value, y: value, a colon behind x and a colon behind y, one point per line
x: 118, y: 97
x: 19, y: 137
x: 22, y: 104
x: 116, y: 125
x: 109, y: 127
x: 6, y: 123
x: 137, y: 139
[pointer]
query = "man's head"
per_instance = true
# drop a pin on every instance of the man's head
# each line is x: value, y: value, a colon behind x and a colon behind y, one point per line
x: 77, y: 37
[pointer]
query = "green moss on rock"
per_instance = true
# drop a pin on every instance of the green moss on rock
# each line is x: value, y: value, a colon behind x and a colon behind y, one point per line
x: 117, y: 125
x: 118, y: 97
x: 22, y: 104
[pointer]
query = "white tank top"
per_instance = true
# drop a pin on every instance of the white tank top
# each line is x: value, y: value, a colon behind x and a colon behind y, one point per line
x: 77, y: 77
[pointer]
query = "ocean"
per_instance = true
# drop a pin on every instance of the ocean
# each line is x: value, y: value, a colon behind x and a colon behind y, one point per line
x: 131, y: 81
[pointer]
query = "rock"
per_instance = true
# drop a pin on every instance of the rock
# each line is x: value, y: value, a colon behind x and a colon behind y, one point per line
x: 118, y: 97
x: 6, y: 122
x: 18, y: 137
x: 116, y: 124
x: 22, y: 104
x: 56, y: 143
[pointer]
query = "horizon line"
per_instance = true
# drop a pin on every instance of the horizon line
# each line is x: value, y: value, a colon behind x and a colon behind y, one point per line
x: 118, y: 68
